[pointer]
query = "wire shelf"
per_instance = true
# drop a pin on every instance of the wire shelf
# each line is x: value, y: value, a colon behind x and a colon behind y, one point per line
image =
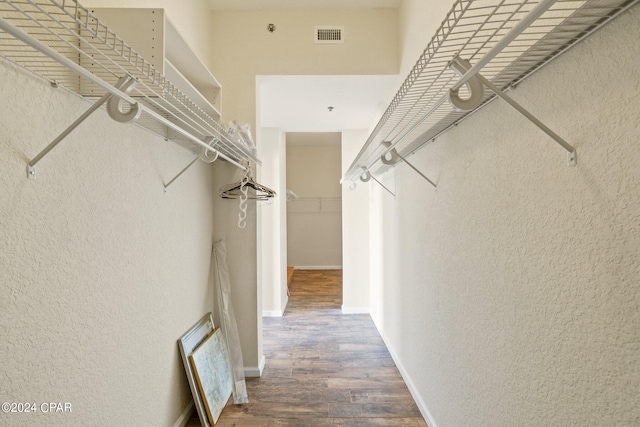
x: 70, y: 30
x: 420, y: 110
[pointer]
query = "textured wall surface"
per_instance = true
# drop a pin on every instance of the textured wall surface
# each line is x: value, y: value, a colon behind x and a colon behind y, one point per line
x: 511, y: 295
x: 355, y: 232
x: 100, y: 272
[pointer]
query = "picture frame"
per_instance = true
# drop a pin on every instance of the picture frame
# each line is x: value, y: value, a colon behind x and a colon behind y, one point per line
x: 187, y: 344
x: 210, y: 364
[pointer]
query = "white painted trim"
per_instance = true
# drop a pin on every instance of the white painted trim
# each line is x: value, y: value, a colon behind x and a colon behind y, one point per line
x: 422, y: 406
x: 276, y: 313
x: 255, y: 371
x: 318, y: 267
x: 272, y: 313
x: 185, y: 415
x: 355, y: 310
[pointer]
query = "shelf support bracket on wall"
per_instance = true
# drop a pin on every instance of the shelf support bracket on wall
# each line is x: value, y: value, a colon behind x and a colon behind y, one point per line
x: 461, y: 66
x: 396, y: 157
x: 124, y: 82
x: 206, y: 155
x: 180, y: 173
x: 366, y: 176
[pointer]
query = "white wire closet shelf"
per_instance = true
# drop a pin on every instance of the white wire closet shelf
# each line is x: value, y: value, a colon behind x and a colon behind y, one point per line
x: 64, y: 43
x: 483, y: 48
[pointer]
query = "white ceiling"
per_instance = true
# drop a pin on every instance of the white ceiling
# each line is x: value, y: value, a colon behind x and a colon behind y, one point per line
x: 300, y: 4
x: 301, y: 103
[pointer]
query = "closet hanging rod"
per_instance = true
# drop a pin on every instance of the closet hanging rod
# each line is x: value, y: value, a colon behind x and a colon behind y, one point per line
x: 51, y: 53
x: 46, y: 50
x: 508, y: 40
x: 517, y: 30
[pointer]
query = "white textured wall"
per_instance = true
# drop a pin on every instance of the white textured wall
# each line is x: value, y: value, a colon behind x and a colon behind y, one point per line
x: 355, y: 232
x: 100, y: 271
x: 314, y: 221
x: 510, y: 296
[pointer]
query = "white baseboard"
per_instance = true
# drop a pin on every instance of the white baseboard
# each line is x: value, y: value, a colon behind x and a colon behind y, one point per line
x: 255, y: 371
x: 272, y: 313
x: 317, y: 267
x: 426, y: 414
x: 185, y: 415
x: 355, y: 310
x: 276, y: 313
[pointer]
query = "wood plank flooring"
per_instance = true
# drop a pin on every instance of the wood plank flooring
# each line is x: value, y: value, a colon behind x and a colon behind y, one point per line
x: 324, y: 368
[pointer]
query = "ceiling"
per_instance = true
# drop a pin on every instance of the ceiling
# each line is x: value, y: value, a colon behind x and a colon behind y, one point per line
x: 301, y: 103
x: 300, y: 4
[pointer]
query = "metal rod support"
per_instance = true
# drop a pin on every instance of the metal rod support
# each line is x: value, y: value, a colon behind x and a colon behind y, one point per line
x: 180, y: 173
x: 524, y: 23
x: 382, y: 185
x: 396, y: 157
x: 31, y: 172
x: 529, y: 116
x: 419, y: 173
x: 69, y: 129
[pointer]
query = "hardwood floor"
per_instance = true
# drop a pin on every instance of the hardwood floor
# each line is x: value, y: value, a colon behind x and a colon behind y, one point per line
x: 324, y: 368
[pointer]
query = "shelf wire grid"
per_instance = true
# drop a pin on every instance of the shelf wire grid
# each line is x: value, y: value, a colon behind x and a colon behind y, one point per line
x: 420, y: 110
x: 74, y: 32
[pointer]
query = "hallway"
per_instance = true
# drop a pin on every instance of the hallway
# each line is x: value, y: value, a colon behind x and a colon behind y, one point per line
x: 324, y: 368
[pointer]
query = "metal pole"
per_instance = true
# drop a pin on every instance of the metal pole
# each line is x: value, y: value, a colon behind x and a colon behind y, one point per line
x: 382, y: 185
x: 415, y: 169
x: 71, y: 127
x: 189, y: 136
x: 39, y: 46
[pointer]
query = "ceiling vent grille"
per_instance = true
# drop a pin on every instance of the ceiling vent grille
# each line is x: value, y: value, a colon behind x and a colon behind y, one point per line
x: 329, y: 34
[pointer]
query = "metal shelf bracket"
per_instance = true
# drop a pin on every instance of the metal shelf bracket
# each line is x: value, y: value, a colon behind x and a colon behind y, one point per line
x: 462, y: 66
x: 124, y: 82
x: 208, y: 155
x: 367, y: 175
x: 396, y: 157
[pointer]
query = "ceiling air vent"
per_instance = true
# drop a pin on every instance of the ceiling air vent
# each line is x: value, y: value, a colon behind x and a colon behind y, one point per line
x: 329, y: 34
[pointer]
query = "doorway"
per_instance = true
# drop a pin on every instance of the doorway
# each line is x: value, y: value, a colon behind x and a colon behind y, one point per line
x: 312, y: 108
x: 314, y: 200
